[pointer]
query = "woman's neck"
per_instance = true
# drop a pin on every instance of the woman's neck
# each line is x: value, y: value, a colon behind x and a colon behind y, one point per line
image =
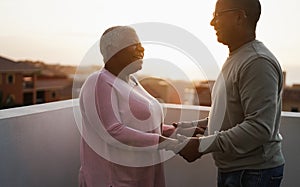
x: 117, y: 72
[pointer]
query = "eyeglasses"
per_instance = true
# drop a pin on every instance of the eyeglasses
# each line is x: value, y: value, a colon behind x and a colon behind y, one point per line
x: 220, y: 13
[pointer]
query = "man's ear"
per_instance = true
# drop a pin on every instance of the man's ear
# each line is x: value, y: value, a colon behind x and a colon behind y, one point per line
x: 241, y: 18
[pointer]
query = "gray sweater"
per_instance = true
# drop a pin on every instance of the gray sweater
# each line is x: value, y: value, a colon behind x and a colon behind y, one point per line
x: 245, y: 114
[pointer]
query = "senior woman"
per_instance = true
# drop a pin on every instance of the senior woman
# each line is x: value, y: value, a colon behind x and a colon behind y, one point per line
x: 122, y: 127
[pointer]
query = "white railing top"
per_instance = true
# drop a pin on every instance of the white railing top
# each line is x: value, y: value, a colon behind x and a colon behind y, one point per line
x: 59, y: 105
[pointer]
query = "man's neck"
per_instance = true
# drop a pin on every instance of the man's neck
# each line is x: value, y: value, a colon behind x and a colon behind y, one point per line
x: 242, y: 38
x: 240, y: 43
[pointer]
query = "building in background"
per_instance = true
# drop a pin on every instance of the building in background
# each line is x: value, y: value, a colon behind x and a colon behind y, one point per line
x: 291, y: 98
x: 53, y: 82
x: 203, y: 93
x: 169, y: 91
x: 26, y: 82
x: 160, y: 89
x: 17, y: 83
x: 33, y: 82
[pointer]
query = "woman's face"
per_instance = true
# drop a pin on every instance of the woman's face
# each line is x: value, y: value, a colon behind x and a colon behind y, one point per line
x: 131, y: 58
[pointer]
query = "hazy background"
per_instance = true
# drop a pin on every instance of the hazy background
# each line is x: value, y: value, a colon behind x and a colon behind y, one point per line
x: 62, y: 31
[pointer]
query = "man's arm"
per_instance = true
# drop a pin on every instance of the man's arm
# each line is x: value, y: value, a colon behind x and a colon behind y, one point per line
x: 259, y: 96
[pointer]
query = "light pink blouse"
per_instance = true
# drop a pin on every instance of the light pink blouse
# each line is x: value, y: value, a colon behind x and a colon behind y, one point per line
x: 121, y: 124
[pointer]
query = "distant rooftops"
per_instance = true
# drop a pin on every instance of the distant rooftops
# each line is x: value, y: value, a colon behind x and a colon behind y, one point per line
x: 7, y: 65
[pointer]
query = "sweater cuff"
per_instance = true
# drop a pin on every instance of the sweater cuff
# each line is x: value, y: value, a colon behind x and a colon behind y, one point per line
x: 209, y: 144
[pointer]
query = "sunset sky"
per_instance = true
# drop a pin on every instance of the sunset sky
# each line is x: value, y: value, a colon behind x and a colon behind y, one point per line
x: 62, y: 31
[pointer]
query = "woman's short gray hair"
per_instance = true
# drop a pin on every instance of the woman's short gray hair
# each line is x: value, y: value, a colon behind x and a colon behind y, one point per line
x: 115, y: 39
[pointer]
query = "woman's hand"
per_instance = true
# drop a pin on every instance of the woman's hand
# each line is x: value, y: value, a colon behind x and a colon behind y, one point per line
x: 171, y: 144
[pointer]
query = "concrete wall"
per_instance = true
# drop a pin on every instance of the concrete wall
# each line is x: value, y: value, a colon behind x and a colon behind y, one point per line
x: 40, y: 147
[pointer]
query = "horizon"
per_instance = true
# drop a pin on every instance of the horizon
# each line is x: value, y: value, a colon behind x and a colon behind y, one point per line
x: 292, y: 71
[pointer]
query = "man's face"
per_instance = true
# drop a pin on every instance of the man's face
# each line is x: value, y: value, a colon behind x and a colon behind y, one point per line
x: 224, y: 22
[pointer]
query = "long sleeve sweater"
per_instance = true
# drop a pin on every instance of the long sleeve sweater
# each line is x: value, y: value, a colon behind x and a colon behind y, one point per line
x: 245, y: 116
x: 121, y: 124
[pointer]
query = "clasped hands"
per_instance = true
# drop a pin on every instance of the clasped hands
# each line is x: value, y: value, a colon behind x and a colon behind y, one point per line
x: 185, y: 140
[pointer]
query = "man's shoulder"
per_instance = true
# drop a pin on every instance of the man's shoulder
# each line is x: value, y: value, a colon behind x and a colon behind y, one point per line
x: 257, y: 51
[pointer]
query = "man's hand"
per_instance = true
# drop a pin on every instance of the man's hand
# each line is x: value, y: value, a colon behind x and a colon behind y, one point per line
x: 190, y: 152
x: 191, y: 128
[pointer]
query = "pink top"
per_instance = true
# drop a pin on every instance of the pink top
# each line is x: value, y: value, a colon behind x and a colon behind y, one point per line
x: 121, y: 124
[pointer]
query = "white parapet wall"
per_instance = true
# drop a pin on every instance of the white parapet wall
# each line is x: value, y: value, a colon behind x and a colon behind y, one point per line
x: 40, y: 147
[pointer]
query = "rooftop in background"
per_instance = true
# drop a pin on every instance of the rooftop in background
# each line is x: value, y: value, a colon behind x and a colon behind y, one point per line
x: 51, y: 70
x: 7, y: 65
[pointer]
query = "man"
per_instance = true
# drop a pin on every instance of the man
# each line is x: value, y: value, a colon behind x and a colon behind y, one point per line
x: 244, y: 120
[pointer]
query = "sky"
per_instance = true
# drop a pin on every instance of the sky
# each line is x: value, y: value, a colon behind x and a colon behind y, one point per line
x: 63, y: 31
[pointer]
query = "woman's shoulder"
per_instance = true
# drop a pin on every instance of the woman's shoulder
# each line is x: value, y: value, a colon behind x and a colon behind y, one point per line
x: 101, y: 77
x: 104, y: 76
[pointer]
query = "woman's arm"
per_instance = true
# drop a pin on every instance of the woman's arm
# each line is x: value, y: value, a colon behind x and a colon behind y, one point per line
x: 108, y: 112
